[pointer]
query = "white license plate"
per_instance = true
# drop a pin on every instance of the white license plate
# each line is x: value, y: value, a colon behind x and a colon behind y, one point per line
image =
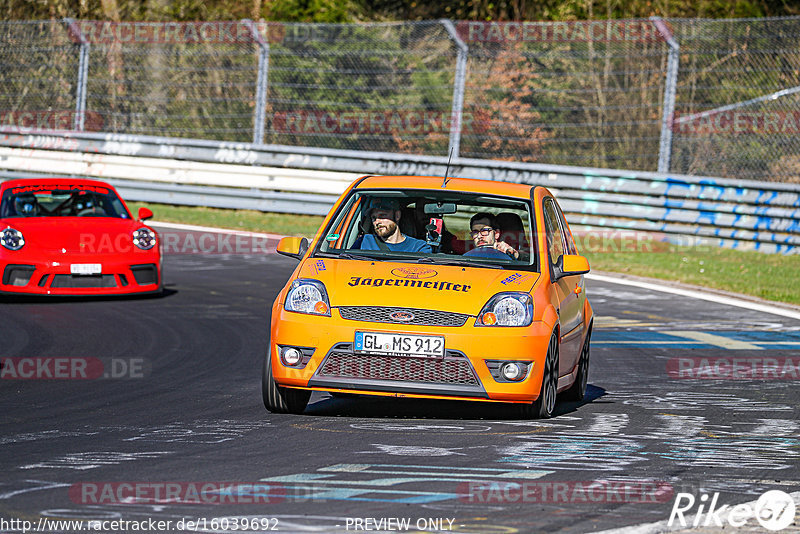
x: 86, y: 268
x: 405, y: 344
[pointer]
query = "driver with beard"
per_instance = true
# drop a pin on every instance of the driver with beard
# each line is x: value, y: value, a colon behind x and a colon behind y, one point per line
x: 385, y: 214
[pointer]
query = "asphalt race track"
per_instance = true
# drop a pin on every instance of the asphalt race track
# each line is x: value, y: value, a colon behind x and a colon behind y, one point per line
x: 172, y: 402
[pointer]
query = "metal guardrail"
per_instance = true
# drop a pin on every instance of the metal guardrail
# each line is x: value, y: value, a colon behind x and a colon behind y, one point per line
x: 695, y: 96
x: 734, y: 213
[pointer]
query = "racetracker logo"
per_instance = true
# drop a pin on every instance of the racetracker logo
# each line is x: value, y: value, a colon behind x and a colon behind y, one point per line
x: 182, y: 242
x: 50, y: 120
x: 73, y: 368
x: 598, y: 31
x: 198, y: 492
x: 737, y: 123
x: 377, y: 122
x: 599, y: 241
x: 221, y: 32
x: 741, y: 368
x: 572, y: 492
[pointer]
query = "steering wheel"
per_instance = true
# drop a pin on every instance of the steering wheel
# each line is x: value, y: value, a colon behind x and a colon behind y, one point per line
x: 90, y: 211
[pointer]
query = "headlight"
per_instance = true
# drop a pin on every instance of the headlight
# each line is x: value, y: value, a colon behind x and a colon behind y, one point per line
x: 144, y: 238
x: 12, y: 239
x: 308, y: 296
x: 507, y: 309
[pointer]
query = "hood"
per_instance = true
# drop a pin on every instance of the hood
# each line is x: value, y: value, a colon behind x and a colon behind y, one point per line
x: 439, y: 287
x: 76, y: 234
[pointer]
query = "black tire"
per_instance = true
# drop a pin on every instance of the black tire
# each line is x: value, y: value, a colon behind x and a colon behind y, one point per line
x: 278, y: 399
x: 544, y: 406
x: 577, y: 391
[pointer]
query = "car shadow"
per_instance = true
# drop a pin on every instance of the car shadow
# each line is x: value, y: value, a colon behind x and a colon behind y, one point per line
x: 8, y: 298
x: 368, y: 407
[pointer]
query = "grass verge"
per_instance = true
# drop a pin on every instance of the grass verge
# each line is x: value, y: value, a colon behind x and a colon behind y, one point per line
x: 248, y: 220
x: 766, y: 276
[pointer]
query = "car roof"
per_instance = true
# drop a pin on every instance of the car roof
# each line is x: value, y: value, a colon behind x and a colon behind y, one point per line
x: 467, y: 185
x: 20, y: 182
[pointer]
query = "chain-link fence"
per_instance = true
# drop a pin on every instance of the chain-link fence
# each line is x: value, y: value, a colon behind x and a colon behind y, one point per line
x: 707, y: 97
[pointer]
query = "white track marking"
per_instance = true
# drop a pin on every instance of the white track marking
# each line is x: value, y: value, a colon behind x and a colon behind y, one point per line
x: 711, y: 339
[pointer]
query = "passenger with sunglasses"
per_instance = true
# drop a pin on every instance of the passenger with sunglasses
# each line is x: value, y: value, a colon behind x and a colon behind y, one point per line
x: 486, y: 234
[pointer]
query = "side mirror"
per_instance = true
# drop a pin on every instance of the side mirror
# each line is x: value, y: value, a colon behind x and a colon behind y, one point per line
x: 144, y: 214
x: 294, y: 247
x: 571, y: 265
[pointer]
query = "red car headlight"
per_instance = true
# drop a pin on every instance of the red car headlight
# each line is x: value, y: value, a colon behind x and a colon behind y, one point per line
x: 12, y: 239
x: 144, y: 238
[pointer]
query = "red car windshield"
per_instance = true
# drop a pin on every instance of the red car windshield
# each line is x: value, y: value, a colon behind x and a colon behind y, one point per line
x: 61, y: 200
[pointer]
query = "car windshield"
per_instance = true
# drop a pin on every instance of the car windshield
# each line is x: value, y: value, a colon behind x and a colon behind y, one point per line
x: 60, y: 200
x: 451, y: 228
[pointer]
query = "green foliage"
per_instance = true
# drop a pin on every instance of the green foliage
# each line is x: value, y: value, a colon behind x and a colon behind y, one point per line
x: 363, y: 10
x: 308, y: 11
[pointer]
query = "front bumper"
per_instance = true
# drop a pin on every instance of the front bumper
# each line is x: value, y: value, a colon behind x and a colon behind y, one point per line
x: 118, y: 277
x: 462, y: 374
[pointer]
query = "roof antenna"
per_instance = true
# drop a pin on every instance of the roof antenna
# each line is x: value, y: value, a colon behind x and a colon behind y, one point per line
x: 447, y: 169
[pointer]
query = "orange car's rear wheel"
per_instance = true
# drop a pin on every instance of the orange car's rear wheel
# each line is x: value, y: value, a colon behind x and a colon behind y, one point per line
x: 278, y: 399
x: 545, y: 405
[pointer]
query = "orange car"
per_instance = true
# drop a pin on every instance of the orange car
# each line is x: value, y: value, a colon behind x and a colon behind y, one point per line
x: 433, y: 288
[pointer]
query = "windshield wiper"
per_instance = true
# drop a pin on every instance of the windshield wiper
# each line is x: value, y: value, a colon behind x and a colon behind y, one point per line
x: 346, y: 256
x: 459, y: 263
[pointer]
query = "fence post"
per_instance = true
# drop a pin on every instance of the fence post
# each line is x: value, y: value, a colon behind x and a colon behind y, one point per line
x: 458, y: 89
x: 83, y: 74
x: 670, y: 88
x: 261, y: 83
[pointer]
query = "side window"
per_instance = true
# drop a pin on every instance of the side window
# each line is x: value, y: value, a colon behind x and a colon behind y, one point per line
x: 570, y: 242
x: 555, y: 245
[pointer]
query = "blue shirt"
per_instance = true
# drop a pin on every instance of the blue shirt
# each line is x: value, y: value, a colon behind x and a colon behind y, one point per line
x: 409, y: 244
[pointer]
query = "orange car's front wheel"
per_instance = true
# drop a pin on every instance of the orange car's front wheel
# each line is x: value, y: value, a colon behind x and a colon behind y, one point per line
x: 278, y: 399
x: 544, y: 406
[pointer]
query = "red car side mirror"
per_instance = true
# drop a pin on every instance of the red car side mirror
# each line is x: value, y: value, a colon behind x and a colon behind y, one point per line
x: 144, y: 214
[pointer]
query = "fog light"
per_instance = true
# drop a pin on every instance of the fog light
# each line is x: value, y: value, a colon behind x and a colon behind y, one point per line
x: 291, y: 356
x: 511, y: 371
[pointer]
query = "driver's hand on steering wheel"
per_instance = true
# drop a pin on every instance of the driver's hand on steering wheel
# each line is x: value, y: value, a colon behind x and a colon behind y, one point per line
x: 504, y: 247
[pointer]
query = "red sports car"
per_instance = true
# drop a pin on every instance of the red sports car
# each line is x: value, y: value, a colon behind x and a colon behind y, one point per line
x: 66, y: 236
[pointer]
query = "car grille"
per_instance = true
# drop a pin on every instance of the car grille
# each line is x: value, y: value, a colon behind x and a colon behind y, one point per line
x: 18, y: 275
x: 450, y: 370
x: 79, y: 282
x: 144, y: 274
x: 381, y: 314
